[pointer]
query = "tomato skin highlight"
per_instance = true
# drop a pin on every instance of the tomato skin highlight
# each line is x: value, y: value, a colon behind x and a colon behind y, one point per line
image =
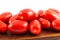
x: 56, y: 24
x: 5, y: 16
x: 35, y: 27
x: 45, y: 23
x: 3, y: 27
x: 50, y: 15
x: 15, y: 17
x: 18, y: 27
x: 27, y: 15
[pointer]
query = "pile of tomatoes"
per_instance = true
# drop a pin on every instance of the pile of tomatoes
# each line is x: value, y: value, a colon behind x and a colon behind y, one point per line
x: 28, y: 20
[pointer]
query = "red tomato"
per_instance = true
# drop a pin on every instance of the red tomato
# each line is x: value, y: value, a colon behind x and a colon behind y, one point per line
x: 56, y: 24
x: 58, y: 13
x: 18, y: 27
x: 5, y: 16
x: 35, y: 27
x: 3, y: 27
x: 15, y: 17
x: 27, y: 14
x: 45, y: 23
x: 40, y: 13
x: 50, y: 15
x: 53, y: 10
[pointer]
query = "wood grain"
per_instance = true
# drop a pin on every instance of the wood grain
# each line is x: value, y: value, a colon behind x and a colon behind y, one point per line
x: 28, y: 36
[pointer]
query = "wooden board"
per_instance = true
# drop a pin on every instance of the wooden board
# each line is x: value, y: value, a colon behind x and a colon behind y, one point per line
x: 44, y: 34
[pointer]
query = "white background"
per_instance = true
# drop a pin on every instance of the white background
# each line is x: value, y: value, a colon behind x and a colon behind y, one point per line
x: 15, y: 6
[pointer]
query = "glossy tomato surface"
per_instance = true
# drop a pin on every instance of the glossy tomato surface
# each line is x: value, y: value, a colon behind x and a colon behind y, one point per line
x: 50, y: 15
x: 27, y: 14
x: 5, y: 16
x: 40, y: 13
x: 56, y: 24
x: 3, y: 27
x: 18, y: 27
x: 15, y: 17
x: 55, y: 10
x: 35, y: 27
x: 44, y: 23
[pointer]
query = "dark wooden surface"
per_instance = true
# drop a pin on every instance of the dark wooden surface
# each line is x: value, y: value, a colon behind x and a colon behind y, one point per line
x: 48, y: 38
x: 45, y: 35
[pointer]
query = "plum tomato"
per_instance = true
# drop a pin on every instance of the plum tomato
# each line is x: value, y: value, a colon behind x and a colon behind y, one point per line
x: 44, y: 23
x: 50, y: 15
x: 35, y: 27
x: 5, y: 16
x: 15, y: 17
x: 27, y: 15
x: 3, y: 27
x: 18, y: 27
x: 56, y: 24
x: 51, y: 9
x: 40, y: 13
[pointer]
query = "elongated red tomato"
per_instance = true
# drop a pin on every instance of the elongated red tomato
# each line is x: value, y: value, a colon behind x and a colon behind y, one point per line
x: 35, y: 27
x: 51, y: 9
x: 58, y: 13
x: 27, y: 14
x: 3, y: 27
x: 45, y: 23
x: 18, y: 27
x: 40, y: 13
x: 5, y: 16
x: 50, y: 15
x: 15, y: 17
x: 56, y: 24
